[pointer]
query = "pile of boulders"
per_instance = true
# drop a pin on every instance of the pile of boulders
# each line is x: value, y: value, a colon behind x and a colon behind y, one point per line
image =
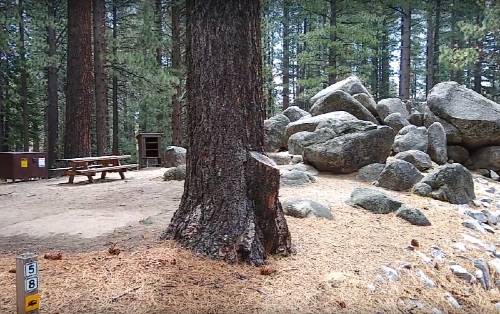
x: 346, y: 131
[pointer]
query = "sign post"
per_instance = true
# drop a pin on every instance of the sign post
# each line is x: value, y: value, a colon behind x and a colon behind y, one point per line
x: 28, y: 297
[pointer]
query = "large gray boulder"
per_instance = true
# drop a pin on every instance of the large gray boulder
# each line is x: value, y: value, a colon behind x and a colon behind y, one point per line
x: 437, y: 143
x: 419, y: 159
x: 450, y: 183
x: 486, y: 157
x: 349, y: 152
x: 370, y: 172
x: 396, y: 121
x: 453, y: 135
x: 351, y: 85
x: 416, y: 118
x: 174, y: 156
x: 175, y: 173
x: 298, y: 141
x: 310, y: 124
x: 374, y: 201
x: 295, y: 178
x: 294, y: 113
x: 476, y: 117
x: 411, y: 137
x: 399, y: 175
x: 274, y: 133
x: 457, y: 153
x: 368, y: 102
x: 341, y: 101
x: 391, y: 105
x: 305, y: 208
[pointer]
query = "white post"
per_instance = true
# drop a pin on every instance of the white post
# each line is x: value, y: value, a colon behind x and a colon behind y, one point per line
x: 28, y: 297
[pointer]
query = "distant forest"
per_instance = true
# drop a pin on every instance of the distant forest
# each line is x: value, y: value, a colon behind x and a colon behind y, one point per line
x: 132, y: 56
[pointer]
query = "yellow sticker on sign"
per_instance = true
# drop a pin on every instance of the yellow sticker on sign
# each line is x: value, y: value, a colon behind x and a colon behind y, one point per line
x: 24, y: 162
x: 32, y: 302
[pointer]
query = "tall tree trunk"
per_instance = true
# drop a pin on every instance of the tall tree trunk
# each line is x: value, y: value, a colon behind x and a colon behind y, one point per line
x: 332, y: 57
x: 23, y: 85
x: 385, y: 67
x: 230, y: 208
x: 176, y: 119
x: 77, y: 142
x: 478, y: 65
x: 53, y: 98
x: 3, y: 139
x: 101, y: 78
x: 302, y: 72
x: 437, y: 27
x: 455, y: 74
x: 404, y: 70
x: 159, y: 26
x: 430, y: 47
x: 115, y: 82
x: 286, y: 55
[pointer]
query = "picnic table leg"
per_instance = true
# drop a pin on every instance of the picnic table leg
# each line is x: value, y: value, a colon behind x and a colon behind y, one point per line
x: 71, y: 179
x: 122, y: 175
x: 91, y: 180
x: 103, y: 175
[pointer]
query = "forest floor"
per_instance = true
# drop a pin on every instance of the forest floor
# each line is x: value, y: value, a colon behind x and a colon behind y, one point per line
x: 336, y: 267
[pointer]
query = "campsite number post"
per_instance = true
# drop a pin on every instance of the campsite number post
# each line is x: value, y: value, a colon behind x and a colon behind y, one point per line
x: 28, y: 297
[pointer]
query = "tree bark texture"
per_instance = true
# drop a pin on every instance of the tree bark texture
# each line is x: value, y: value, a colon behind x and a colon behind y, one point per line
x: 23, y: 85
x: 101, y: 78
x: 230, y: 208
x: 52, y: 82
x: 3, y: 138
x: 77, y: 142
x: 286, y: 55
x: 176, y: 118
x: 332, y: 57
x: 430, y: 48
x: 115, y: 83
x: 404, y: 70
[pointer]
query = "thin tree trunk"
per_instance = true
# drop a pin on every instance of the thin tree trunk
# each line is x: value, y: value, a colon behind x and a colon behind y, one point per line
x: 101, y: 78
x: 404, y: 70
x: 3, y: 139
x: 332, y: 57
x: 159, y: 26
x: 302, y: 72
x: 176, y: 119
x: 385, y: 66
x: 115, y: 83
x: 230, y: 208
x: 23, y: 86
x: 53, y: 98
x: 286, y: 55
x: 478, y: 65
x: 437, y: 26
x: 455, y: 74
x: 430, y: 48
x: 77, y: 141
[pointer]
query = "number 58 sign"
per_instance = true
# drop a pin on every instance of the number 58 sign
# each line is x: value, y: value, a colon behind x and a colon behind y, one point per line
x: 28, y: 298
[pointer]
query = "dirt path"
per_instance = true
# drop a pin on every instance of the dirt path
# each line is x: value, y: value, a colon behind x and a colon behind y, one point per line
x: 156, y: 277
x: 52, y: 214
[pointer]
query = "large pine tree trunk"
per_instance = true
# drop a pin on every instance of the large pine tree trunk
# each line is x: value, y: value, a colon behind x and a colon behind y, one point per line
x: 80, y: 80
x: 230, y: 208
x: 176, y: 118
x: 23, y: 85
x: 430, y: 48
x: 404, y: 70
x: 286, y: 55
x: 53, y: 99
x: 385, y: 67
x: 101, y: 78
x: 115, y: 82
x: 3, y: 139
x: 332, y: 57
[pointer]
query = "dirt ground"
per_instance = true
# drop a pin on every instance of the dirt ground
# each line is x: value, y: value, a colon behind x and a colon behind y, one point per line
x: 149, y: 276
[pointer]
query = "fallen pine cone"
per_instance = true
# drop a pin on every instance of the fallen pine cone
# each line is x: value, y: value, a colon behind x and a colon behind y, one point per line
x: 53, y: 256
x: 113, y: 250
x: 267, y: 270
x: 12, y: 271
x: 414, y: 243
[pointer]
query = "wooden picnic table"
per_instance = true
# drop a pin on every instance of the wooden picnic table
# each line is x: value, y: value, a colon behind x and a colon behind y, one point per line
x: 90, y: 166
